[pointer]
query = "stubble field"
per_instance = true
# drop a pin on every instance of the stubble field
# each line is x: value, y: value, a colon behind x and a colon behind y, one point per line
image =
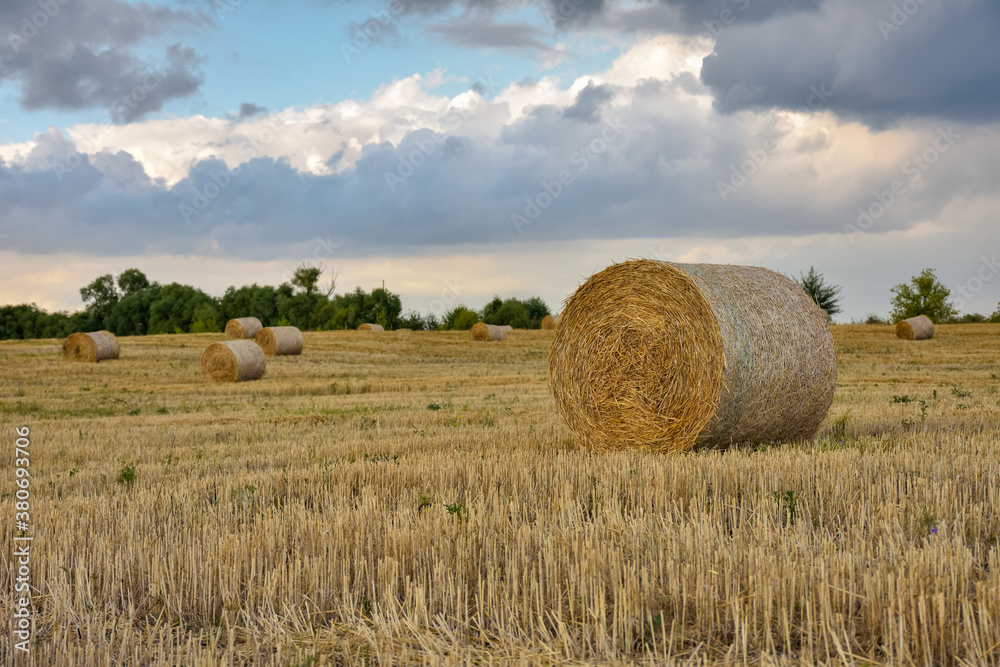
x: 414, y: 498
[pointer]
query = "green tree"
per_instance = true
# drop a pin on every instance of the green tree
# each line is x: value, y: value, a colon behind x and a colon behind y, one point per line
x: 825, y: 295
x: 923, y: 295
x: 100, y: 296
x: 251, y: 300
x: 459, y: 318
x: 177, y: 307
x: 131, y: 281
x: 130, y: 314
x: 306, y: 278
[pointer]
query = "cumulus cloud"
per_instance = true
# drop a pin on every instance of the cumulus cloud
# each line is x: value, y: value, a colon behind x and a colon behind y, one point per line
x: 408, y: 168
x: 71, y: 56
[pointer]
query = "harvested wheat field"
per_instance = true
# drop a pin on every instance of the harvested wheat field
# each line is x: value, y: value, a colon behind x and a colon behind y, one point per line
x: 412, y: 499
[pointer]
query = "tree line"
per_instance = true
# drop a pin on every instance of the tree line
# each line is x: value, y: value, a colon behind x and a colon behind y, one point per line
x: 132, y: 305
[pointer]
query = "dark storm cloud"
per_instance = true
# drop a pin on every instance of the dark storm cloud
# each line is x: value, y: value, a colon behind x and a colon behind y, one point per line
x: 483, y: 32
x: 880, y: 62
x: 80, y: 55
x: 633, y: 172
x: 588, y: 103
x: 249, y: 110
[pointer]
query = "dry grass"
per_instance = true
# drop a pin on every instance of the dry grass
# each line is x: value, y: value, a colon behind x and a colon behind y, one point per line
x: 413, y: 499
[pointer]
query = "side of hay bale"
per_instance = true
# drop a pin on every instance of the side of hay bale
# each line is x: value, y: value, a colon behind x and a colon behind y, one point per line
x: 668, y: 357
x: 243, y: 328
x: 506, y: 327
x: 233, y: 361
x: 487, y: 332
x: 280, y: 341
x: 91, y: 347
x: 915, y: 328
x: 368, y: 326
x: 548, y: 323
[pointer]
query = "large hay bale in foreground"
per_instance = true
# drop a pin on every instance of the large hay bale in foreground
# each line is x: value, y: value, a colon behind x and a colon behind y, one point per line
x: 91, y: 347
x: 506, y: 327
x: 483, y: 331
x: 370, y: 327
x: 915, y: 328
x: 548, y: 322
x: 233, y: 361
x: 243, y: 328
x: 280, y: 340
x: 667, y: 357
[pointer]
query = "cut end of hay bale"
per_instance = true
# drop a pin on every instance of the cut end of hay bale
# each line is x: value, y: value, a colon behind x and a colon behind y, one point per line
x: 487, y: 332
x: 368, y: 326
x: 548, y: 323
x: 233, y: 361
x: 91, y: 347
x: 667, y: 357
x: 243, y: 328
x: 915, y: 328
x: 280, y: 341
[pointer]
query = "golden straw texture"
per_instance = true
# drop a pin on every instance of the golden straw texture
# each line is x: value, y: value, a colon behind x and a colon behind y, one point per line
x: 91, y: 347
x: 370, y: 327
x: 667, y: 357
x: 280, y: 341
x: 915, y: 328
x: 482, y: 331
x: 243, y: 328
x: 548, y: 322
x: 233, y: 361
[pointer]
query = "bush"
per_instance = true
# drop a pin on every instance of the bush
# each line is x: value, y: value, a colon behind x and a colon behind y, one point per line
x: 460, y: 318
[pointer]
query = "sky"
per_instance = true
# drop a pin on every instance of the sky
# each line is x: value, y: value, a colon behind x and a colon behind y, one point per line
x: 457, y: 149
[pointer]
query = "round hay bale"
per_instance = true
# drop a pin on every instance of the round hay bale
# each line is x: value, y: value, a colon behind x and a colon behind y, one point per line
x: 243, y: 328
x: 506, y: 327
x: 667, y: 357
x: 548, y: 323
x: 915, y: 328
x: 370, y: 327
x: 233, y: 361
x: 91, y: 347
x: 483, y: 331
x: 280, y: 340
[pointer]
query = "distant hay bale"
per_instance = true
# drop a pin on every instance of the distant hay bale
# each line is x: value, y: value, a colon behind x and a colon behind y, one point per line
x: 915, y: 328
x: 548, y: 322
x: 233, y: 361
x: 507, y: 327
x: 280, y: 340
x: 243, y: 328
x: 370, y: 327
x: 667, y: 357
x: 91, y: 347
x: 483, y: 331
